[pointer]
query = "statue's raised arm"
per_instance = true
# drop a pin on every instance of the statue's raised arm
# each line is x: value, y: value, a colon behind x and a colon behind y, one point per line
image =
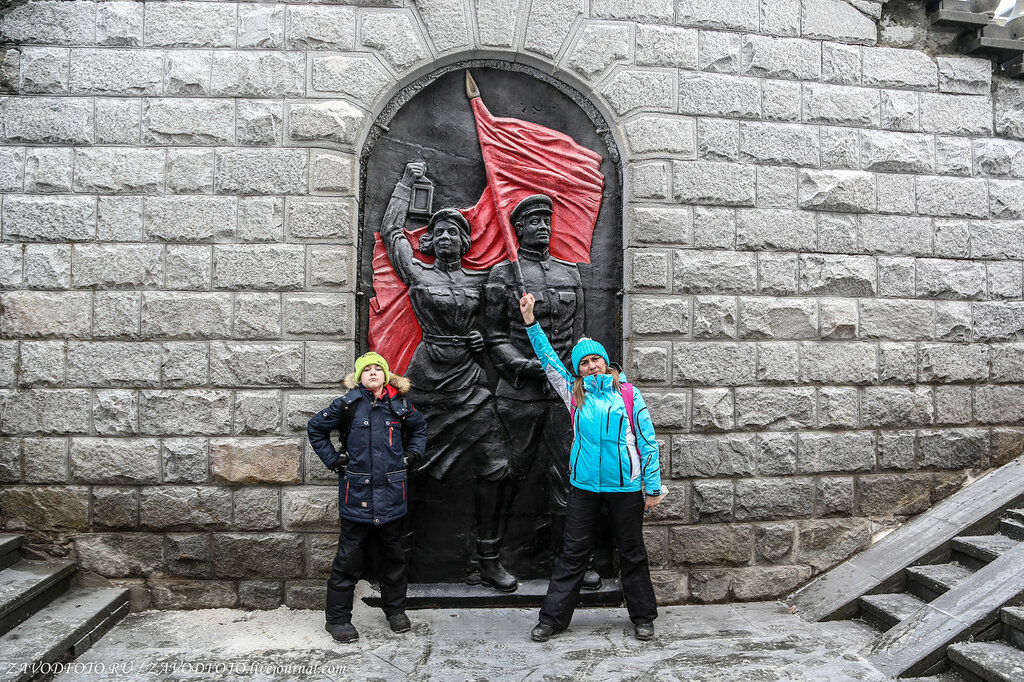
x: 392, y: 227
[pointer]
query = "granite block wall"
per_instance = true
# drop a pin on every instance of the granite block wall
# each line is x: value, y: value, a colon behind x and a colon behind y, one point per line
x: 824, y: 222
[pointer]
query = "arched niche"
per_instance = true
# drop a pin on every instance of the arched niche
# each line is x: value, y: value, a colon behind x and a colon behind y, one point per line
x: 431, y: 120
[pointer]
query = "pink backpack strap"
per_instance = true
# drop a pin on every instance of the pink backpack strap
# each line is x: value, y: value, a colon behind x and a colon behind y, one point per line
x: 627, y: 399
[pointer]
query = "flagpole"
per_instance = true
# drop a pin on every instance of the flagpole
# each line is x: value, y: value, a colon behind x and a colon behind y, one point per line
x: 473, y: 92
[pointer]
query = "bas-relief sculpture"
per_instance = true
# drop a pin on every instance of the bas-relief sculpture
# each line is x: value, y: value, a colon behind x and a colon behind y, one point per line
x: 449, y: 385
x: 488, y: 502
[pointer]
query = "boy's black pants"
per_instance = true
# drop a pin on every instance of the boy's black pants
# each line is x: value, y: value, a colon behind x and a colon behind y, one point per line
x: 583, y: 516
x: 358, y: 542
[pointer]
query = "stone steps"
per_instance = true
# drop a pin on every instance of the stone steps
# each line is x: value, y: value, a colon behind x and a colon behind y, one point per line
x: 882, y: 566
x: 989, y: 661
x: 1012, y: 528
x: 41, y: 620
x: 1013, y: 625
x: 949, y: 602
x: 957, y: 584
x: 962, y: 599
x: 28, y: 586
x: 886, y: 610
x: 917, y: 645
x: 71, y: 624
x: 899, y: 615
x: 982, y: 35
x: 10, y: 550
x: 929, y: 581
x: 975, y: 551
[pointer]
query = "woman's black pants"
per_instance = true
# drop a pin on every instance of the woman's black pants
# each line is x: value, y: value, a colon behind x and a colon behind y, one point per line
x: 583, y: 515
x: 365, y: 543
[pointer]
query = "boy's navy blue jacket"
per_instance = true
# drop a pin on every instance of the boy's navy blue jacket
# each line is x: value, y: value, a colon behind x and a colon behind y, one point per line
x: 383, y: 435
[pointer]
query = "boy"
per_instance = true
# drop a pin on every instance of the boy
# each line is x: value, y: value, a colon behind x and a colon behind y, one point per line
x: 381, y: 435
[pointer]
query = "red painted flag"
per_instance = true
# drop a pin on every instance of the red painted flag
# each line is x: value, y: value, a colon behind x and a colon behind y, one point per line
x: 521, y: 158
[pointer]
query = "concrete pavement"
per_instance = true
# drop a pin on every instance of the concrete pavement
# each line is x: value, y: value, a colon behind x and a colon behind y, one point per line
x: 722, y: 643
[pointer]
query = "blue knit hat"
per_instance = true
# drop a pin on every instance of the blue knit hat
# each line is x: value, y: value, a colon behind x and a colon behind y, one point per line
x: 587, y: 346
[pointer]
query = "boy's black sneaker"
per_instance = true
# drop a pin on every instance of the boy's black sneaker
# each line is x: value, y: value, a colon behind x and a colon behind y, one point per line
x: 399, y: 622
x: 643, y: 630
x: 342, y: 632
x: 543, y: 632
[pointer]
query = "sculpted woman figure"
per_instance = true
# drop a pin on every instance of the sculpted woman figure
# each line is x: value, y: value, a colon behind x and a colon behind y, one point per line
x: 465, y: 437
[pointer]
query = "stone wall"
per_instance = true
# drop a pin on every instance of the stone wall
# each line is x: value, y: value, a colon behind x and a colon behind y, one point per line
x: 823, y: 270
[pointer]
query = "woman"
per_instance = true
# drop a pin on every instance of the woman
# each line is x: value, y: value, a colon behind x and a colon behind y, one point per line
x: 449, y: 386
x: 613, y: 463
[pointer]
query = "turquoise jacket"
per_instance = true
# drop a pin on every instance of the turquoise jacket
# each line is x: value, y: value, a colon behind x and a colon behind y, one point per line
x: 606, y: 456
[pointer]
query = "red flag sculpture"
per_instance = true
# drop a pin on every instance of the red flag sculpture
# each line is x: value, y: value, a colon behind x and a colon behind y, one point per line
x: 520, y: 159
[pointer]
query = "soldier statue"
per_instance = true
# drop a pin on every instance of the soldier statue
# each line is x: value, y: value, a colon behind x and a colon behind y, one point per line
x: 534, y: 416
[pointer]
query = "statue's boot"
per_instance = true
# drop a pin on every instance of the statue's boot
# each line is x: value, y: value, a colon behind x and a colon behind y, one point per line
x: 591, y: 579
x: 492, y: 573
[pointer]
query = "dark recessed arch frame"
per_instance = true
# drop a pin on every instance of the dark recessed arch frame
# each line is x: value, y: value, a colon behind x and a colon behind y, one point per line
x: 431, y: 120
x: 461, y: 186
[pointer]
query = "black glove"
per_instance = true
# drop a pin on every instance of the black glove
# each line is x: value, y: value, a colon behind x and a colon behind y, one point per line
x: 411, y: 461
x: 341, y: 463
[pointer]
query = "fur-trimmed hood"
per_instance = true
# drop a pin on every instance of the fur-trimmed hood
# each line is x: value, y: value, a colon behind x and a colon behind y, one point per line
x: 398, y: 382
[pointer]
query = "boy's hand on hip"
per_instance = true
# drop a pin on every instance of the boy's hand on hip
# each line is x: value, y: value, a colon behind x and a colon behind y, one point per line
x: 341, y: 463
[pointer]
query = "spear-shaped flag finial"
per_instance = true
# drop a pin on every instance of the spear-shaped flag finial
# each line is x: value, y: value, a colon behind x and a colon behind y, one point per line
x: 505, y: 228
